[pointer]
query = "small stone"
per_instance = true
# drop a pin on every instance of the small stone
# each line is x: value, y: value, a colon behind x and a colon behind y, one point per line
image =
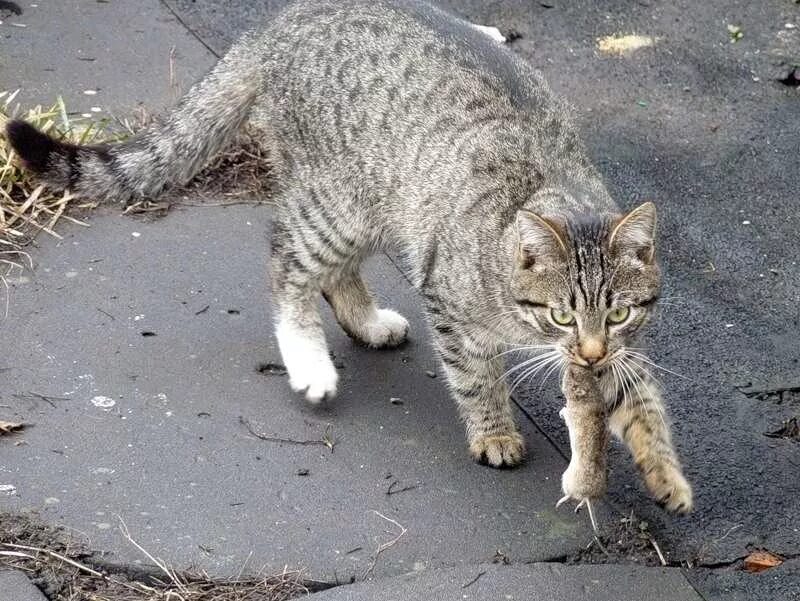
x: 396, y: 401
x: 430, y: 374
x: 302, y: 472
x: 103, y: 402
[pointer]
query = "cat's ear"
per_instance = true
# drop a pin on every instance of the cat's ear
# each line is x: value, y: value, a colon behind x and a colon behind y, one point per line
x: 540, y: 239
x: 635, y: 233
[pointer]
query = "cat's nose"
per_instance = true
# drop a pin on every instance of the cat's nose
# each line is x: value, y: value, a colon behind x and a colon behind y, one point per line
x: 592, y: 350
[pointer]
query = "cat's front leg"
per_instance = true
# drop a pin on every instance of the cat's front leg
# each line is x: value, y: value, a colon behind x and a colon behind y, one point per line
x: 475, y: 376
x: 585, y: 416
x: 640, y: 423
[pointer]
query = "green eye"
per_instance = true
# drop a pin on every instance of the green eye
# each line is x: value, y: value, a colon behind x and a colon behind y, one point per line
x: 562, y: 318
x: 619, y: 315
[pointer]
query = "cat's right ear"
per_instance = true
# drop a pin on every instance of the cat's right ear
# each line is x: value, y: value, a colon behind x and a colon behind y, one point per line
x: 540, y: 239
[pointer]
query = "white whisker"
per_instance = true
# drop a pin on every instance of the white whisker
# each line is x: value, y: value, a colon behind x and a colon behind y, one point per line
x: 531, y: 373
x: 527, y: 363
x: 642, y: 357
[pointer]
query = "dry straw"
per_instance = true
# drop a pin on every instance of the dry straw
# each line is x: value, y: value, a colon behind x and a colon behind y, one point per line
x: 63, y: 566
x: 28, y: 207
x: 241, y: 175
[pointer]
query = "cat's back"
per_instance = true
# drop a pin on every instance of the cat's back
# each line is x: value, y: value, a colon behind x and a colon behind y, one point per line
x: 324, y: 39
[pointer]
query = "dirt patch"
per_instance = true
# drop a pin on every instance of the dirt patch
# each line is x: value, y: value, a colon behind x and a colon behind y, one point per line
x: 627, y: 541
x: 789, y: 429
x: 64, y: 568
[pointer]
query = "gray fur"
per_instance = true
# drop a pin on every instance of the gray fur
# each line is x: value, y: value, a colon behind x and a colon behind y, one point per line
x: 392, y: 123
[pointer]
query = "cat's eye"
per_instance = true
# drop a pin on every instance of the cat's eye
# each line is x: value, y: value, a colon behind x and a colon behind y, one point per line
x: 618, y: 315
x: 562, y: 318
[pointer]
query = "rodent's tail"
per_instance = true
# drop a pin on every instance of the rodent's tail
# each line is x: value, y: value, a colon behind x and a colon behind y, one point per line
x: 204, y: 122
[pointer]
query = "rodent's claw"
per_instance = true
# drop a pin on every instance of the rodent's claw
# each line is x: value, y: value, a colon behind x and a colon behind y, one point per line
x: 581, y: 503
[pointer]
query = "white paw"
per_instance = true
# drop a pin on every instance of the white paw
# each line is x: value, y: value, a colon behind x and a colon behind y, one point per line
x: 386, y: 328
x: 310, y: 368
x: 317, y: 380
x: 492, y: 32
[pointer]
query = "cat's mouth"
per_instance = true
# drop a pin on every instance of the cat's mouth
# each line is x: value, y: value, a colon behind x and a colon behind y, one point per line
x: 597, y: 366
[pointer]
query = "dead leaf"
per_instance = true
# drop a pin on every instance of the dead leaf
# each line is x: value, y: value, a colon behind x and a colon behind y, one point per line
x: 758, y: 561
x: 8, y: 427
x: 620, y: 45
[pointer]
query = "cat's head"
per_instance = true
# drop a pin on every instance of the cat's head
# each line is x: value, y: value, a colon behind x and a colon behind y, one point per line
x: 586, y: 284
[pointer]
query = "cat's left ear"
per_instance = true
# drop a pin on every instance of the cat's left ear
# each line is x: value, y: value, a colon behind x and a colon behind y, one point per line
x: 635, y: 233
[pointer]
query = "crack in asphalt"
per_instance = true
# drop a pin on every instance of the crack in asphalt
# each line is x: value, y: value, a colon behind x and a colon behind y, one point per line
x: 194, y: 34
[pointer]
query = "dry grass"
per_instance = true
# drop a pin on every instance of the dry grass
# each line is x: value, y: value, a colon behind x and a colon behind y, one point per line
x: 27, y: 207
x: 65, y: 569
x: 239, y: 175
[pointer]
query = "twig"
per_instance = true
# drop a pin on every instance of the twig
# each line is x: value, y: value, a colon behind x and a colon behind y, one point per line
x: 159, y: 563
x: 57, y: 556
x: 658, y: 550
x: 47, y: 399
x: 596, y: 541
x: 731, y: 529
x: 474, y: 580
x: 17, y: 554
x: 174, y: 87
x: 325, y: 441
x: 384, y: 546
x: 390, y: 491
x: 106, y: 313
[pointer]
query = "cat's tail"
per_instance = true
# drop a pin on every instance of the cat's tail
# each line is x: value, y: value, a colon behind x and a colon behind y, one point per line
x: 203, y: 123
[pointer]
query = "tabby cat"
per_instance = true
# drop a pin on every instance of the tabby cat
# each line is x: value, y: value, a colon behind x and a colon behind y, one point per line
x: 391, y: 122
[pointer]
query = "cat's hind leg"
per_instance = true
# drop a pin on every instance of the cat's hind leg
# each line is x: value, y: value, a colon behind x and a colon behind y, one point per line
x: 358, y: 315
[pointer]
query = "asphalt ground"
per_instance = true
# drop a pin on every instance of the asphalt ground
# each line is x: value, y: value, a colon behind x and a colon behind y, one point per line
x: 699, y: 124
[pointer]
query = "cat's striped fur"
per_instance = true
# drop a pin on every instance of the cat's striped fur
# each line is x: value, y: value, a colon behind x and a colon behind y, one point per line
x: 392, y: 122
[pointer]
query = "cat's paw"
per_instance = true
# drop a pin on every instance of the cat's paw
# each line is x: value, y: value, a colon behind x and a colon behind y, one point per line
x: 385, y: 329
x: 316, y: 380
x: 308, y: 364
x: 669, y: 487
x: 498, y: 450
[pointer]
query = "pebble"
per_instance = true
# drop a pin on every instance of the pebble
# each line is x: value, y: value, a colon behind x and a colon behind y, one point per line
x: 103, y: 402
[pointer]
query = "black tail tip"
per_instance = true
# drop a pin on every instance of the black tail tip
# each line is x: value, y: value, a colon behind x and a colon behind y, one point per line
x: 32, y: 146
